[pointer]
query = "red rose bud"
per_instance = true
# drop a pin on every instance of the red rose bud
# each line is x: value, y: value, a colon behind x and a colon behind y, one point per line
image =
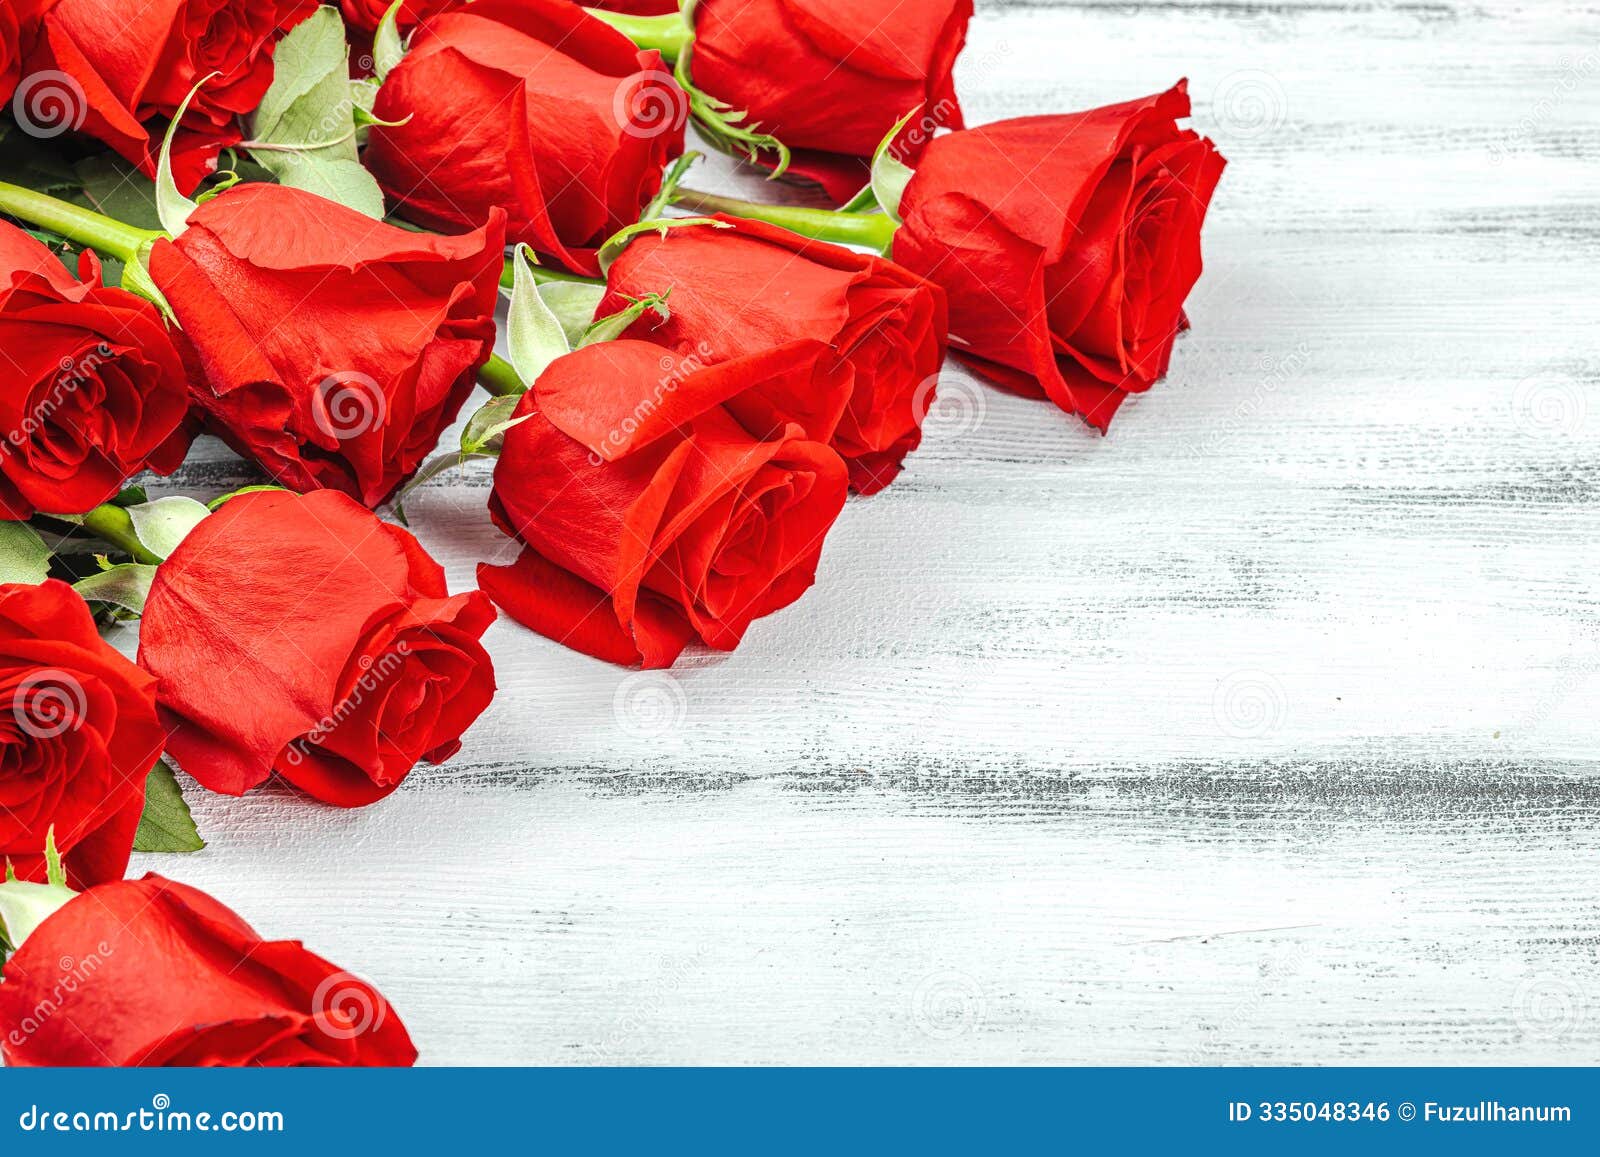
x: 92, y: 388
x: 1067, y: 245
x: 335, y: 348
x: 302, y: 635
x: 107, y: 68
x: 78, y: 736
x: 534, y: 107
x: 831, y: 78
x: 744, y: 289
x: 154, y: 973
x: 649, y: 514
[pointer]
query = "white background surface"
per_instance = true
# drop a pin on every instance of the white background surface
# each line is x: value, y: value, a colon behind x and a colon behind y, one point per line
x: 1262, y: 730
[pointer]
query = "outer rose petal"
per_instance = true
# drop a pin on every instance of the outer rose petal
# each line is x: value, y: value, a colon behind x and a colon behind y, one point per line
x: 254, y: 657
x: 164, y: 975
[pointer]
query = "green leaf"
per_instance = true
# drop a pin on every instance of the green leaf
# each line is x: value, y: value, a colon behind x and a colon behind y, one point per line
x: 24, y: 557
x: 163, y: 524
x: 304, y: 131
x: 533, y: 332
x: 126, y: 585
x: 166, y: 825
x: 388, y: 49
x: 111, y: 186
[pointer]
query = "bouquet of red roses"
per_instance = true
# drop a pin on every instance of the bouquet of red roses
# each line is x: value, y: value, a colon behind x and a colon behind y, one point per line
x: 306, y: 231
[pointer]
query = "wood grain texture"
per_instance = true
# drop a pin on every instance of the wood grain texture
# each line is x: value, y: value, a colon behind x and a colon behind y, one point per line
x: 1262, y: 730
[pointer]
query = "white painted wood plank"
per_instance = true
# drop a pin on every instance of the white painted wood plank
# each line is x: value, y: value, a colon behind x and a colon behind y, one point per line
x: 1260, y: 730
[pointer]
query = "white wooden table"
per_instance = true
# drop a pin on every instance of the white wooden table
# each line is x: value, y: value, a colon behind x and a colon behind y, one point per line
x: 1263, y: 730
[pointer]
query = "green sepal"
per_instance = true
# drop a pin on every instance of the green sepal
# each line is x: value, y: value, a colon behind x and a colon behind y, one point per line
x: 216, y: 503
x: 166, y: 825
x: 724, y: 126
x: 388, y: 47
x: 172, y: 207
x: 24, y: 906
x: 163, y: 524
x: 673, y: 177
x: 613, y: 326
x: 534, y: 335
x: 485, y: 430
x: 619, y: 240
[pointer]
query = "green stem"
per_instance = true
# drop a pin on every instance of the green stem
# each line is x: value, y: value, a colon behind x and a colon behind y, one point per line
x: 874, y: 230
x: 102, y: 234
x: 500, y: 379
x: 666, y: 34
x: 544, y: 276
x: 112, y: 524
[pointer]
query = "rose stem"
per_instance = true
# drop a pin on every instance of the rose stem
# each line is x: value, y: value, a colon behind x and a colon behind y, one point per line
x: 102, y: 234
x: 874, y: 230
x: 112, y: 524
x: 666, y: 34
x: 500, y: 379
x: 543, y: 276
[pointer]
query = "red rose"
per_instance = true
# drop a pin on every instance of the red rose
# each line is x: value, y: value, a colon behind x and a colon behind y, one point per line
x: 535, y: 107
x: 830, y: 78
x: 154, y: 973
x: 92, y: 389
x: 299, y: 634
x: 10, y: 52
x: 638, y: 7
x: 365, y: 15
x: 336, y: 348
x: 744, y: 289
x: 78, y: 736
x: 121, y: 66
x: 1067, y: 245
x: 649, y: 514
